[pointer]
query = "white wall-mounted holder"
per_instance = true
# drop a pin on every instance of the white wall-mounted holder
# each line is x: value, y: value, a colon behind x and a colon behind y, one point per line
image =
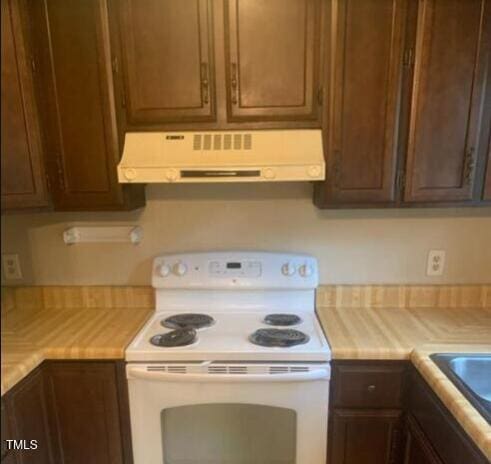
x: 110, y: 234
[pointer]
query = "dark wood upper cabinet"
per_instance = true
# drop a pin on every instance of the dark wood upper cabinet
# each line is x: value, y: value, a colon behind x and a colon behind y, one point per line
x: 75, y: 89
x: 168, y: 60
x: 487, y: 185
x: 84, y: 404
x: 23, y: 178
x: 27, y: 411
x: 272, y: 59
x: 452, y: 57
x: 362, y: 114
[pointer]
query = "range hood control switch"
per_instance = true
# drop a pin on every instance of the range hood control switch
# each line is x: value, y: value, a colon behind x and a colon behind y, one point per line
x: 171, y: 175
x: 314, y: 171
x: 130, y: 174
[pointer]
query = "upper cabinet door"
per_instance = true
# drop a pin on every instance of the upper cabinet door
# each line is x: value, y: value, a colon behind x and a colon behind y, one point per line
x: 445, y: 143
x: 272, y: 59
x: 487, y: 185
x: 76, y: 97
x: 361, y: 126
x: 23, y: 178
x: 167, y: 51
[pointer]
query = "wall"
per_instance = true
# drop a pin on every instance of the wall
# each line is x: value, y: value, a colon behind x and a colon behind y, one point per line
x: 353, y: 246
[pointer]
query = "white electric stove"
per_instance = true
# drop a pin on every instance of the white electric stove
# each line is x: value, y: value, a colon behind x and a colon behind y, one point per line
x: 234, y: 346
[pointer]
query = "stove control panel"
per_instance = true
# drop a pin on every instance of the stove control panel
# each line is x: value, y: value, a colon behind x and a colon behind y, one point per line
x: 227, y: 270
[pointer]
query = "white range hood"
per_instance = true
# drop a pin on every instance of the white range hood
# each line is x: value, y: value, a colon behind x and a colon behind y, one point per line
x: 222, y: 156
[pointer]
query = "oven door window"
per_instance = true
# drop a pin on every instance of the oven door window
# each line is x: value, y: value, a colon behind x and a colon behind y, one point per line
x: 228, y: 434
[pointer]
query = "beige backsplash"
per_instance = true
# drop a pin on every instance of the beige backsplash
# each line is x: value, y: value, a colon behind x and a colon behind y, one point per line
x: 386, y: 246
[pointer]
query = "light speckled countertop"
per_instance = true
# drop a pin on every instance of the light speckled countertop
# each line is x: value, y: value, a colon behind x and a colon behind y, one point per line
x: 29, y: 337
x: 414, y: 334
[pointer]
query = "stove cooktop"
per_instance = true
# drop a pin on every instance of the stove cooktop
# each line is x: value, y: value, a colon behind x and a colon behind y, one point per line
x: 230, y: 336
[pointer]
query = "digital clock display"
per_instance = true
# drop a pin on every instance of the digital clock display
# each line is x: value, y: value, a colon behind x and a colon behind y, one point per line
x: 234, y: 265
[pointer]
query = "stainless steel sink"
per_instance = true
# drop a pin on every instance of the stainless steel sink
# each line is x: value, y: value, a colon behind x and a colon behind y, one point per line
x: 471, y: 374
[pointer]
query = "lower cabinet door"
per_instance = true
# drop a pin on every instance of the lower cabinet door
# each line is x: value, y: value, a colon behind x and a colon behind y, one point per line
x: 418, y: 448
x: 84, y: 408
x: 26, y: 421
x: 365, y: 436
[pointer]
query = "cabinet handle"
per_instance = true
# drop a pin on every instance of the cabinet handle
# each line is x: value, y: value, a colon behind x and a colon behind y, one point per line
x: 371, y: 388
x: 394, y: 446
x: 336, y: 167
x: 60, y: 172
x: 469, y: 164
x: 234, y: 82
x: 205, y: 85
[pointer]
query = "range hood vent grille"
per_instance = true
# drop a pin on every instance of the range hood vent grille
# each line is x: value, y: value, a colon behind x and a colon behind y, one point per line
x: 221, y: 141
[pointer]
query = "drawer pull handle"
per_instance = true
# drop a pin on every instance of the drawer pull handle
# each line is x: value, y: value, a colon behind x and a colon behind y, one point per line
x: 371, y: 388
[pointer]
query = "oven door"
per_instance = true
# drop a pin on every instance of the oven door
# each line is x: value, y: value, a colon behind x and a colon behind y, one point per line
x: 210, y: 413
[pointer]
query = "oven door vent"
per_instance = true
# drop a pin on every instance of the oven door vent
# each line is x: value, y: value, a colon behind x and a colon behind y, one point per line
x: 287, y: 369
x: 228, y: 369
x: 173, y: 369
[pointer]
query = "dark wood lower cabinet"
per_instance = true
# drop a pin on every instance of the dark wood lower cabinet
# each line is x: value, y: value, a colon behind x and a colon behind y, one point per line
x: 27, y: 412
x: 83, y: 399
x: 383, y: 412
x: 366, y: 415
x: 7, y: 456
x: 418, y: 449
x: 365, y: 436
x: 449, y: 440
x: 76, y: 410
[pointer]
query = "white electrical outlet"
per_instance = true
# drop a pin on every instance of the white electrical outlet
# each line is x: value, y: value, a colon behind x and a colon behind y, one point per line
x: 436, y: 263
x: 11, y: 266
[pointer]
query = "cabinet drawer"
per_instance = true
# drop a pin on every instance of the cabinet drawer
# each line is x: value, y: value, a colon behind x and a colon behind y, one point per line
x: 368, y: 385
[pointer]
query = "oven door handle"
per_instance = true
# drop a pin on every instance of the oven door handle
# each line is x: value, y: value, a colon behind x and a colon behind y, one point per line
x: 141, y: 372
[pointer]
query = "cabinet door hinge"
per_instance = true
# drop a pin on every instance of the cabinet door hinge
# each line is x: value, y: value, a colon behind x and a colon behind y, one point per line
x: 408, y: 59
x: 320, y: 96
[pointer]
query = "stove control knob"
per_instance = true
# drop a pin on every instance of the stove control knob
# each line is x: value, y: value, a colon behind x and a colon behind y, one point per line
x: 179, y: 269
x: 305, y: 270
x: 163, y: 270
x: 171, y: 175
x: 130, y: 174
x: 288, y: 269
x: 269, y: 173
